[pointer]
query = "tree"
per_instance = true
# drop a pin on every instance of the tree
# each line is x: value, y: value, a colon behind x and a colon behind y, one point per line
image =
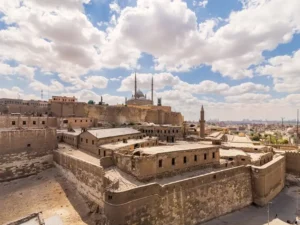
x: 91, y: 102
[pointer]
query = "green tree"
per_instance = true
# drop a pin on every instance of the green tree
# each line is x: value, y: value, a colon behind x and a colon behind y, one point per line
x: 91, y: 102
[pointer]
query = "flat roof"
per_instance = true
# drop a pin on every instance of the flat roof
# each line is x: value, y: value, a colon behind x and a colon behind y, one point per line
x: 174, y: 148
x: 119, y: 144
x: 238, y: 139
x: 231, y: 152
x: 112, y: 132
x: 75, y: 133
x: 242, y: 145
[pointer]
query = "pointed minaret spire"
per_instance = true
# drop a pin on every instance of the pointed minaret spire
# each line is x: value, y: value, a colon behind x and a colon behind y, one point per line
x: 135, y: 85
x: 152, y: 90
x: 202, y: 123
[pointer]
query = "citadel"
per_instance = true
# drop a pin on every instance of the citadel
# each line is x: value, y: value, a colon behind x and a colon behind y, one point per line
x: 140, y: 163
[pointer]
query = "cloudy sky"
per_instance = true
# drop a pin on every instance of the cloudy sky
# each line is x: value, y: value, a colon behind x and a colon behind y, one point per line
x: 239, y: 58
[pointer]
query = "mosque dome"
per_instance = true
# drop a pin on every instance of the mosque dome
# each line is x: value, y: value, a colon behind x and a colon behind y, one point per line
x: 290, y: 130
x: 139, y: 94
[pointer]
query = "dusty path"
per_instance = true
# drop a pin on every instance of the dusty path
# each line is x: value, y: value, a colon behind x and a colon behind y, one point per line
x: 48, y: 192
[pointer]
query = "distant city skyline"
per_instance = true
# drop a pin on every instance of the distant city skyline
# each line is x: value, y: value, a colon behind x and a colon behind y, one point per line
x: 231, y: 56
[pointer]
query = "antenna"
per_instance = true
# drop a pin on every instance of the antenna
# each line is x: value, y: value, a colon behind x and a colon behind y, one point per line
x: 42, y: 94
x: 282, y: 118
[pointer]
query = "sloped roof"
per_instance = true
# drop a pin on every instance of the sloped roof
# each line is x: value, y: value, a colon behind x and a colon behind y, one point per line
x: 112, y: 132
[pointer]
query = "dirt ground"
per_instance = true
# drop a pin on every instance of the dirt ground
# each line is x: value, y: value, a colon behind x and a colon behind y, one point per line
x: 48, y: 192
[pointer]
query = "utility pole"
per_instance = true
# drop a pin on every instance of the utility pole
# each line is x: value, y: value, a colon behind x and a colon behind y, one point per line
x: 282, y: 118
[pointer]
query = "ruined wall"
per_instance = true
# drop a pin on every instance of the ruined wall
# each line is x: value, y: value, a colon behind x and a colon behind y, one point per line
x: 268, y: 180
x: 292, y: 162
x: 27, y: 122
x: 186, y: 202
x: 25, y: 152
x: 87, y: 178
x: 115, y: 114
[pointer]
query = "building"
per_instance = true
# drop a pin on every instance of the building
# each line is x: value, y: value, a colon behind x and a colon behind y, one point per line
x: 202, y: 123
x: 11, y: 101
x: 166, y: 133
x: 90, y: 140
x: 139, y: 98
x: 27, y: 122
x: 160, y: 161
x: 76, y: 122
x: 62, y: 99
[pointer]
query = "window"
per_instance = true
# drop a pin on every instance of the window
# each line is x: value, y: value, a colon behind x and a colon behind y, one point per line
x: 75, y: 121
x: 195, y: 158
x: 173, y: 161
x: 43, y: 122
x: 86, y: 140
x: 205, y: 156
x: 13, y: 122
x: 92, y: 142
x: 28, y: 145
x: 33, y: 122
x: 160, y: 163
x: 109, y: 197
x: 213, y: 155
x: 86, y: 120
x: 104, y: 153
x: 81, y: 121
x: 24, y: 122
x: 184, y: 159
x: 90, y: 120
x: 81, y: 139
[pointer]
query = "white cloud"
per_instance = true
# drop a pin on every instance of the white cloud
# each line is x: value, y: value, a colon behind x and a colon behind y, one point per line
x: 54, y: 86
x: 203, y: 3
x: 15, y: 92
x: 248, y: 98
x: 20, y: 70
x: 285, y: 71
x: 114, y: 7
x: 160, y: 80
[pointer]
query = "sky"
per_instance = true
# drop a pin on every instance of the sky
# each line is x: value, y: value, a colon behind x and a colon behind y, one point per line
x: 240, y: 59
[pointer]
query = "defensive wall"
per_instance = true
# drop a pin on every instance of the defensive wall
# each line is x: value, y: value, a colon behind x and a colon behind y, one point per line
x: 115, y: 114
x: 184, y: 202
x: 88, y: 178
x: 23, y: 109
x: 27, y: 122
x: 25, y: 152
x: 292, y: 162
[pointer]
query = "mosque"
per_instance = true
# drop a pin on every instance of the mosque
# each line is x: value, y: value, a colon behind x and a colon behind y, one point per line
x: 139, y: 98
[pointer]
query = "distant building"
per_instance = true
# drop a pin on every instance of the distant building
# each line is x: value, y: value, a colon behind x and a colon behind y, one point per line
x: 63, y: 99
x: 20, y: 102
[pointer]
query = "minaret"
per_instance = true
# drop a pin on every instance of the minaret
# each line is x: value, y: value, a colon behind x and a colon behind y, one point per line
x: 202, y: 123
x: 135, y: 85
x: 152, y: 90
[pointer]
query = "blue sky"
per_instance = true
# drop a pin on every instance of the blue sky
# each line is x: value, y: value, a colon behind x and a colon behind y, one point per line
x: 239, y: 58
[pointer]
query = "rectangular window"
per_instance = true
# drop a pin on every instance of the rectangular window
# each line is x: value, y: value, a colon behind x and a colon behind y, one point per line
x: 86, y: 120
x: 160, y: 163
x: 195, y: 158
x: 213, y: 155
x: 86, y: 141
x: 75, y: 121
x: 81, y: 121
x: 43, y: 122
x: 184, y: 159
x: 81, y: 139
x: 104, y: 153
x: 33, y: 122
x: 173, y: 161
x: 24, y: 122
x: 28, y: 145
x: 204, y: 156
x: 93, y: 142
x: 13, y: 122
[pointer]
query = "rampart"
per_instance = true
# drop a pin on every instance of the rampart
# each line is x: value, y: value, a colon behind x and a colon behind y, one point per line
x: 268, y: 180
x: 25, y: 152
x: 293, y: 162
x: 87, y: 177
x: 115, y: 114
x: 185, y: 202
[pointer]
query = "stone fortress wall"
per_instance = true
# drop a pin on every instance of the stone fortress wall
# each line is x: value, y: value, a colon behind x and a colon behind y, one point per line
x: 183, y: 202
x: 26, y: 152
x: 115, y: 114
x: 293, y: 162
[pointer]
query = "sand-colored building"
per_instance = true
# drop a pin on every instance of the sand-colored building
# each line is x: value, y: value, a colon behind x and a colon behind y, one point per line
x: 62, y: 99
x: 166, y: 133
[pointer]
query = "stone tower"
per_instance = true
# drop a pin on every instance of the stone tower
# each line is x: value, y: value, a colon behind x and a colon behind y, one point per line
x: 152, y: 91
x: 202, y: 123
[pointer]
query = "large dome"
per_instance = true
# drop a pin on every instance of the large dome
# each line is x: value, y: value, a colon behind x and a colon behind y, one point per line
x: 139, y: 94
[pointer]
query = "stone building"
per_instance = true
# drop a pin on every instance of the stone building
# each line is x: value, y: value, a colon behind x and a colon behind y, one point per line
x: 160, y: 161
x: 77, y: 122
x: 90, y: 140
x: 166, y: 133
x: 27, y: 122
x: 62, y: 99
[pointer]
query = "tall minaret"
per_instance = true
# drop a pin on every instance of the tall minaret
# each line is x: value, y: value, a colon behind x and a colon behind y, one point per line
x: 202, y: 123
x: 135, y: 85
x: 152, y: 91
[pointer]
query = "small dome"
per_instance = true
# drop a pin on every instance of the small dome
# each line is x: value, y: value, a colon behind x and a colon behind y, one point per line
x: 290, y: 130
x: 139, y: 94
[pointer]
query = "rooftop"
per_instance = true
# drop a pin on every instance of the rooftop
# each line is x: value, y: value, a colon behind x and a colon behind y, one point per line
x: 242, y: 145
x: 231, y: 153
x: 112, y: 132
x: 238, y: 139
x: 120, y: 144
x: 75, y: 133
x: 175, y: 148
